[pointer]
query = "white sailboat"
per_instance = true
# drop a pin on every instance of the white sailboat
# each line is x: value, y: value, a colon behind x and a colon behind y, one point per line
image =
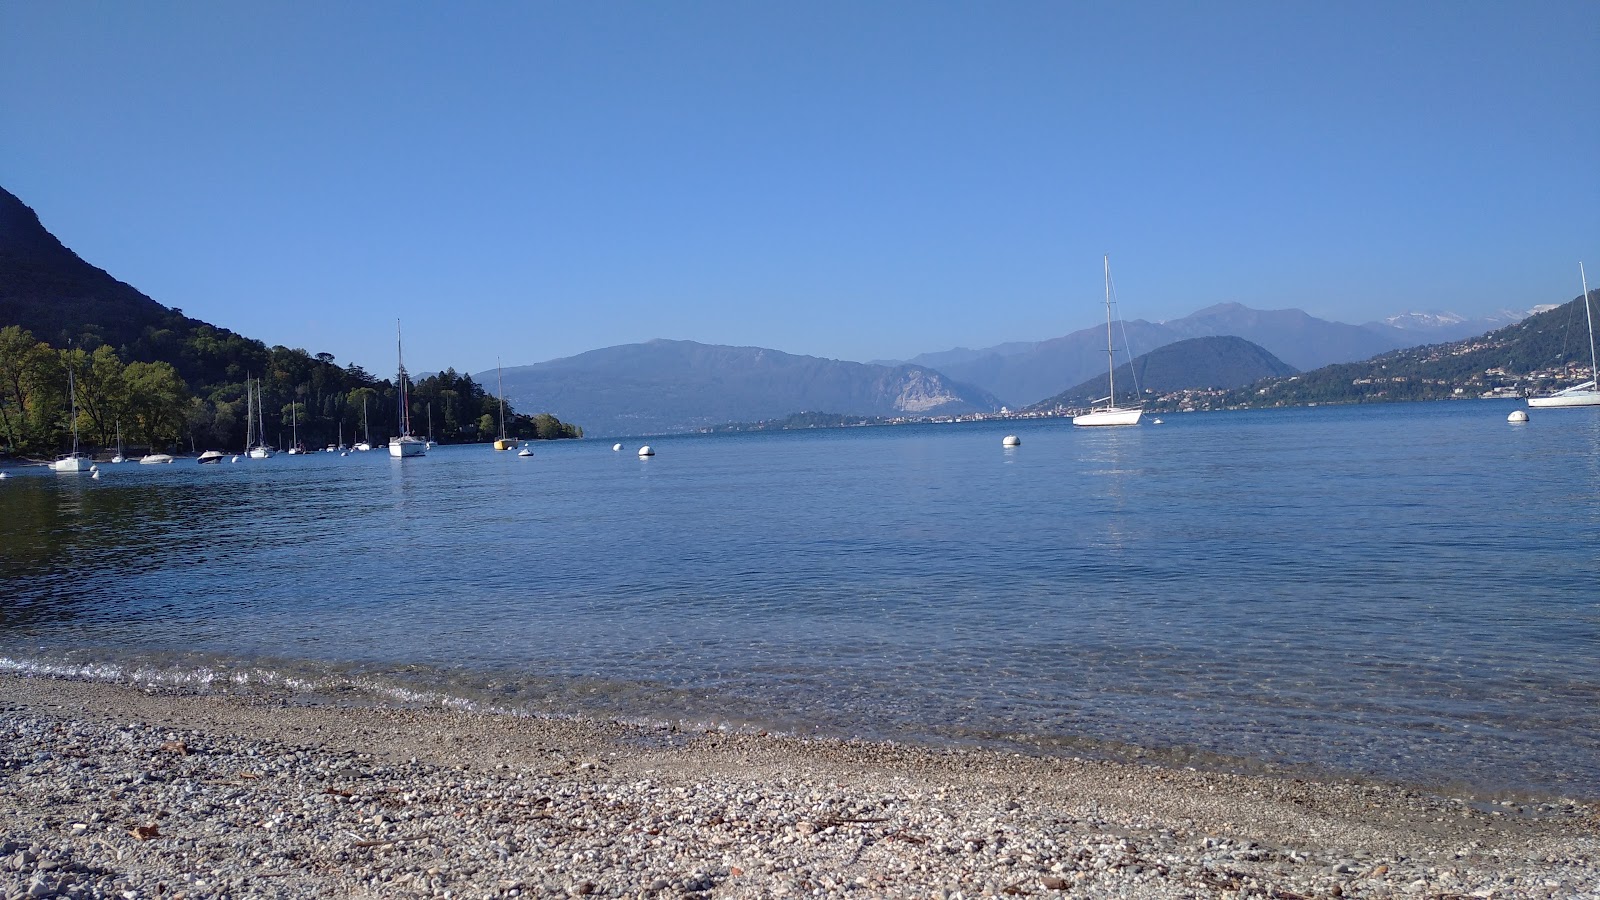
x: 1111, y: 413
x: 503, y: 443
x: 294, y: 428
x: 1585, y: 394
x: 406, y: 444
x: 74, y: 461
x: 119, y: 458
x: 258, y: 449
x: 365, y: 429
x: 431, y: 441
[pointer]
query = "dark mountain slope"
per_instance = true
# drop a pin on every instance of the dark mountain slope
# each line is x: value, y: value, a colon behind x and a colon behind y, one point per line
x: 1207, y: 363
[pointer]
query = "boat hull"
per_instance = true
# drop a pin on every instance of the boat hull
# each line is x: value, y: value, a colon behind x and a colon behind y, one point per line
x: 1109, y: 417
x: 403, y: 447
x: 71, y: 464
x: 503, y: 444
x: 1566, y: 399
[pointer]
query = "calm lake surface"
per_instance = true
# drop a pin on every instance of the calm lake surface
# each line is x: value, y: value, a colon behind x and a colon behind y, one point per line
x: 1405, y: 592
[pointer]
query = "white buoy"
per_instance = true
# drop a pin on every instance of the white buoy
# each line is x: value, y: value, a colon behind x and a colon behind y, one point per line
x: 4, y: 475
x: 95, y: 469
x: 646, y: 451
x: 94, y: 473
x: 616, y: 446
x: 1011, y: 440
x: 1517, y: 416
x: 1155, y: 421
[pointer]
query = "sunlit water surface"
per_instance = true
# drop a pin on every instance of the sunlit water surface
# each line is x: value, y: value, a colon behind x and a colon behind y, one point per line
x: 1404, y: 592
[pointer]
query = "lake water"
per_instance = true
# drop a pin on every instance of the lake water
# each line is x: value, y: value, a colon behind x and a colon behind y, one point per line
x: 1404, y: 592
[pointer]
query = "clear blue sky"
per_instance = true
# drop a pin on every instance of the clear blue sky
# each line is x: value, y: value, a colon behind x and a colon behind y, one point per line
x: 856, y: 180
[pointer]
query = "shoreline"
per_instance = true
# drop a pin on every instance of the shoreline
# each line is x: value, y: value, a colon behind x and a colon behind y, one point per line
x: 112, y: 787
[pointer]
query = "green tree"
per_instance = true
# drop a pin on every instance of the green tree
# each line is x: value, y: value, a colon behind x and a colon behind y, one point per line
x: 102, y: 393
x: 158, y: 401
x: 32, y: 388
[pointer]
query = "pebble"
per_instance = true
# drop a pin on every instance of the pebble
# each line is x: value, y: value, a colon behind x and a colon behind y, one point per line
x: 262, y: 804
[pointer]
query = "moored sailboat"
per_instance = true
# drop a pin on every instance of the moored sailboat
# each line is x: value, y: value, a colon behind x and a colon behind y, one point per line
x: 503, y: 443
x: 1111, y: 413
x: 255, y: 439
x: 406, y: 444
x: 1587, y: 393
x: 366, y: 428
x: 74, y: 461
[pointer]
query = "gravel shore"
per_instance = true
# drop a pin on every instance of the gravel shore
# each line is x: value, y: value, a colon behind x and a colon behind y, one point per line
x: 110, y: 790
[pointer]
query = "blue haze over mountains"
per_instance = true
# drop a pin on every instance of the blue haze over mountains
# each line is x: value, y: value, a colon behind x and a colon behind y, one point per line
x: 664, y: 386
x: 1023, y: 373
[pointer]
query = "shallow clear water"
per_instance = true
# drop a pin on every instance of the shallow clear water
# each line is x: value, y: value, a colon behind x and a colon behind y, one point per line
x: 1407, y: 591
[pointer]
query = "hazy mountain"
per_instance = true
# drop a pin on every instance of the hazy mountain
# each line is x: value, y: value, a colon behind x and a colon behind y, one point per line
x: 1020, y: 373
x: 1218, y: 363
x: 1540, y: 353
x: 1434, y: 327
x: 664, y: 386
x: 1296, y: 337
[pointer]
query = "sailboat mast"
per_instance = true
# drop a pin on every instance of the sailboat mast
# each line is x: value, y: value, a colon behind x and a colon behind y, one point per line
x: 1111, y: 358
x: 501, y: 381
x: 405, y: 416
x: 72, y: 392
x: 249, y: 413
x: 1594, y: 367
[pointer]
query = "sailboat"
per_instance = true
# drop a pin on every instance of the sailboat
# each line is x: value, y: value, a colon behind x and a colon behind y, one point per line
x: 503, y: 443
x: 367, y: 443
x: 1585, y: 394
x: 119, y: 458
x: 74, y: 461
x: 294, y: 428
x: 406, y: 444
x: 259, y: 449
x: 1111, y: 413
x: 431, y: 441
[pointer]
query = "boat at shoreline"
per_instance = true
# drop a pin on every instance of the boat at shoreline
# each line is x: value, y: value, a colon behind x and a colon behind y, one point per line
x: 73, y: 462
x: 1111, y: 413
x: 1587, y: 393
x: 406, y: 445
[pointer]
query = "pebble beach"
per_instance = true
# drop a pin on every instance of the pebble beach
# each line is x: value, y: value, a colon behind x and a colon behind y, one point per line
x: 112, y: 790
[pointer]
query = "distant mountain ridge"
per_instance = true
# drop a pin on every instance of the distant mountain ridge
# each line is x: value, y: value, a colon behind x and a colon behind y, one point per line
x: 1206, y: 363
x: 1540, y: 353
x: 1020, y: 372
x: 665, y: 386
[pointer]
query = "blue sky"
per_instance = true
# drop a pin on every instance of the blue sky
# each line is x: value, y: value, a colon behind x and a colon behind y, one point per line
x: 843, y: 179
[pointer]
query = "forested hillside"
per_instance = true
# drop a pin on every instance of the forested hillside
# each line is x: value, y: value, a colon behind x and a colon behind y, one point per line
x: 167, y: 381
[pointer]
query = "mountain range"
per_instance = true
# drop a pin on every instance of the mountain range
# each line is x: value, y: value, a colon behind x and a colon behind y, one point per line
x: 1021, y: 373
x: 665, y: 385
